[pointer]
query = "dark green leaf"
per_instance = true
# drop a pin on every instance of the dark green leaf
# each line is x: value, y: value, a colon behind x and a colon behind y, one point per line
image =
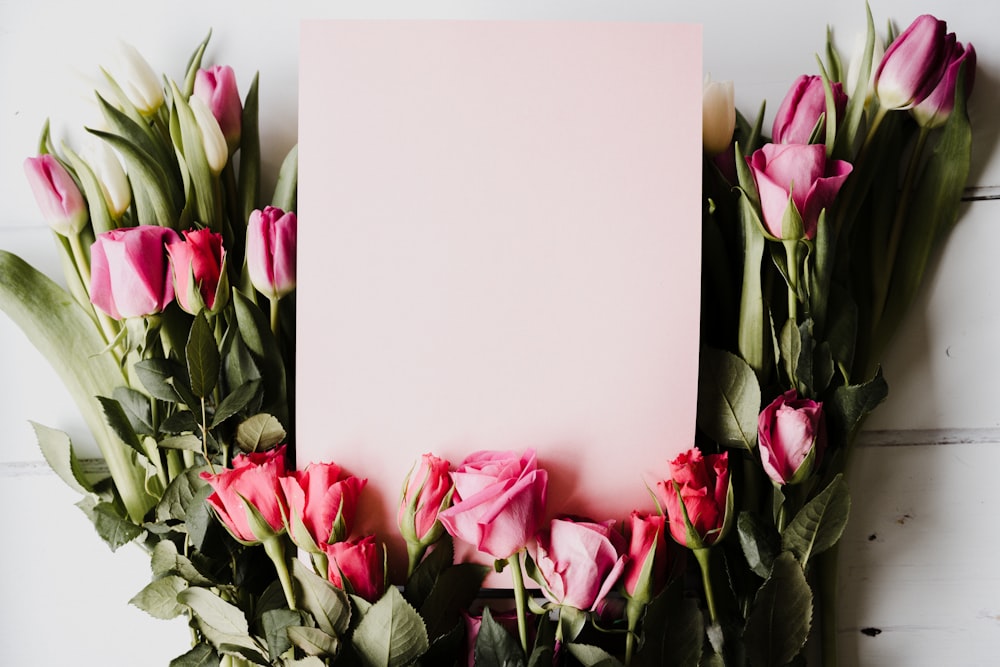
x: 249, y: 182
x: 495, y: 647
x: 159, y: 598
x: 781, y: 615
x: 456, y: 589
x: 235, y: 401
x: 222, y: 623
x: 182, y: 421
x: 673, y: 629
x: 259, y: 433
x: 313, y: 641
x: 255, y: 329
x: 849, y: 405
x: 276, y: 623
x: 179, y: 495
x: 58, y: 452
x: 247, y: 653
x: 426, y: 573
x: 203, y: 359
x: 328, y: 605
x: 593, y: 656
x: 189, y: 443
x: 113, y: 528
x: 820, y: 523
x: 202, y: 655
x: 161, y: 377
x: 136, y: 407
x: 391, y: 633
x: 760, y: 543
x: 119, y: 423
x: 728, y: 399
x: 198, y: 517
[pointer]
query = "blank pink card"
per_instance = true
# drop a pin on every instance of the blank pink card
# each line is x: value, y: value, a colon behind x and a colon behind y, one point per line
x: 499, y: 248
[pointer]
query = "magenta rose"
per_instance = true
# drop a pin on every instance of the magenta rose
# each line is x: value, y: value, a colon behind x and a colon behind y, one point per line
x: 648, y: 559
x: 577, y: 562
x: 129, y: 271
x: 425, y: 494
x: 57, y: 194
x: 253, y: 481
x: 321, y: 504
x: 198, y: 267
x: 795, y: 178
x: 499, y: 502
x: 698, y: 487
x: 271, y: 243
x: 792, y: 435
x: 802, y: 108
x: 358, y: 567
x: 216, y: 86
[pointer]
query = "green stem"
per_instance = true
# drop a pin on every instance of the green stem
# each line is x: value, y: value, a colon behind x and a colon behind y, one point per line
x: 414, y: 553
x: 108, y: 326
x: 633, y: 610
x: 792, y: 258
x: 751, y: 330
x: 275, y: 319
x: 520, y: 599
x: 275, y: 549
x: 703, y: 556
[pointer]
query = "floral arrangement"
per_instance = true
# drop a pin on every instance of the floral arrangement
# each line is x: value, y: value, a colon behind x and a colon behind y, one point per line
x: 175, y: 337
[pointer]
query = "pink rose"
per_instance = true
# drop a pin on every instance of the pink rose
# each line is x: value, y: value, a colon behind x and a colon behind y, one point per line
x: 198, y: 264
x: 792, y: 435
x: 253, y: 480
x: 129, y: 271
x: 499, y: 502
x: 704, y: 493
x: 271, y: 237
x: 358, y: 567
x: 577, y: 562
x: 648, y: 559
x: 216, y: 86
x: 796, y: 177
x: 802, y: 107
x: 425, y: 494
x: 57, y: 194
x: 321, y: 503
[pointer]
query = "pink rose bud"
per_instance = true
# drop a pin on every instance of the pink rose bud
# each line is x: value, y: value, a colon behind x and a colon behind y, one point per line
x: 913, y: 63
x: 577, y: 562
x: 792, y: 435
x: 934, y: 110
x: 321, y: 505
x: 499, y: 502
x: 248, y: 498
x: 648, y: 559
x: 718, y: 116
x: 802, y: 108
x: 57, y: 194
x: 799, y: 176
x: 425, y: 495
x: 216, y: 86
x: 129, y: 271
x: 271, y: 237
x: 198, y: 266
x: 358, y: 567
x: 698, y: 498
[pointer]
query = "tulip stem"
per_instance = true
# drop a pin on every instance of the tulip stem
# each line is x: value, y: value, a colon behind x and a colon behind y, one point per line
x: 275, y: 549
x: 520, y: 599
x: 275, y: 317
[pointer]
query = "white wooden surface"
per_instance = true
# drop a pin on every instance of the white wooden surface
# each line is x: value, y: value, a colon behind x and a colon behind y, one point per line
x: 918, y: 559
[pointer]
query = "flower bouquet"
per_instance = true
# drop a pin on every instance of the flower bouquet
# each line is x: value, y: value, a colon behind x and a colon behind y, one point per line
x: 175, y: 336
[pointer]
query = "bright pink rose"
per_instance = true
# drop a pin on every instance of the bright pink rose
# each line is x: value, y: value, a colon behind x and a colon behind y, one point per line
x: 913, y: 63
x: 271, y: 236
x: 706, y: 494
x: 499, y: 502
x: 507, y: 620
x: 799, y: 176
x: 357, y: 566
x: 253, y: 479
x: 129, y: 271
x: 802, y: 107
x: 577, y: 562
x: 197, y: 265
x: 425, y: 494
x: 322, y: 503
x: 57, y: 194
x: 648, y: 558
x: 216, y: 86
x: 792, y: 435
x: 934, y: 110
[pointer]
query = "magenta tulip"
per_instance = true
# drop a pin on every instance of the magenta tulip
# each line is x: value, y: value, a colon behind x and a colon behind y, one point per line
x: 271, y: 235
x: 357, y: 566
x: 792, y: 435
x: 913, y: 63
x: 252, y: 484
x: 198, y: 267
x: 802, y: 108
x: 216, y: 86
x: 57, y: 194
x: 934, y: 110
x: 577, y: 562
x: 799, y: 176
x: 321, y: 504
x: 698, y: 492
x: 129, y: 272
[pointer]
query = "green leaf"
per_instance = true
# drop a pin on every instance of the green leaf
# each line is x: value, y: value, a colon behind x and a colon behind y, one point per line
x: 165, y: 560
x: 276, y: 623
x: 455, y: 589
x: 313, y: 641
x: 202, y: 655
x: 728, y: 399
x: 203, y: 359
x: 189, y: 443
x: 245, y: 652
x: 259, y: 433
x: 820, y: 523
x: 790, y: 344
x: 179, y: 495
x: 391, y: 633
x: 159, y: 598
x: 119, y: 423
x: 222, y: 623
x: 593, y: 656
x: 113, y: 528
x: 58, y: 452
x: 571, y: 622
x: 255, y: 330
x: 285, y: 189
x: 182, y: 421
x: 236, y: 401
x: 673, y: 629
x: 164, y: 379
x: 849, y: 405
x: 137, y: 409
x: 780, y: 617
x: 422, y: 580
x: 495, y: 647
x: 760, y: 543
x: 249, y: 181
x: 328, y: 605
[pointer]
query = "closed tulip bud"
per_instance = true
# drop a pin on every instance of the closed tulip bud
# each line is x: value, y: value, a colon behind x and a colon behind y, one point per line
x: 111, y: 177
x: 913, y: 63
x: 934, y: 110
x: 718, y: 116
x: 212, y: 139
x: 57, y: 194
x: 271, y: 237
x: 139, y: 82
x: 129, y: 272
x: 803, y: 106
x: 216, y: 86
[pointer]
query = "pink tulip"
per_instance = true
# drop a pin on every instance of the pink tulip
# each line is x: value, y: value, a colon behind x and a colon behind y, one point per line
x: 357, y: 566
x: 129, y: 271
x: 425, y: 494
x: 700, y: 486
x: 322, y: 503
x: 198, y: 267
x: 499, y: 502
x: 802, y: 107
x: 792, y: 435
x: 271, y: 237
x: 934, y: 110
x: 799, y: 176
x: 57, y: 194
x: 216, y: 86
x: 253, y: 480
x: 913, y: 63
x: 648, y: 559
x: 578, y: 562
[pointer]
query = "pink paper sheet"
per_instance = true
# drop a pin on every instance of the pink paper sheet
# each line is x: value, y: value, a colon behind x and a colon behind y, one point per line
x: 499, y: 248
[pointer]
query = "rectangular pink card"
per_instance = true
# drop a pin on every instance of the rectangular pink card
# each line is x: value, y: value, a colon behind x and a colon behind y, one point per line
x: 499, y: 248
